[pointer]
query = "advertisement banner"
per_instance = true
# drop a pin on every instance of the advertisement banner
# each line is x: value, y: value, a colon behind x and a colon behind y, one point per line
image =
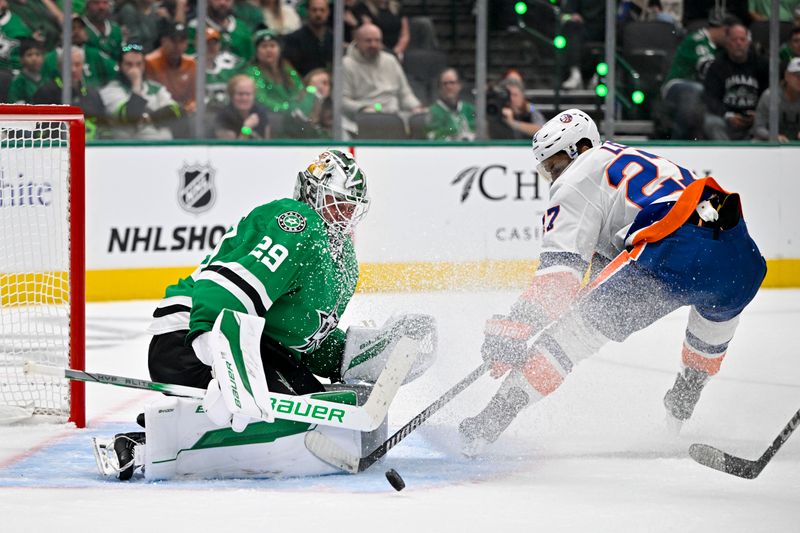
x: 463, y: 206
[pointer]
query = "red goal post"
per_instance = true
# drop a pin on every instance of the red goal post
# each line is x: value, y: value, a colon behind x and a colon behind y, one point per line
x: 42, y: 259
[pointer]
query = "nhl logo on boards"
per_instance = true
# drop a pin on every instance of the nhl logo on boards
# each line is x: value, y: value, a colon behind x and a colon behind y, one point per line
x: 196, y: 191
x: 292, y: 222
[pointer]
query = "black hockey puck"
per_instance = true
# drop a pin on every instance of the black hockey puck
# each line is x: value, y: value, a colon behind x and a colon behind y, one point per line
x: 395, y: 480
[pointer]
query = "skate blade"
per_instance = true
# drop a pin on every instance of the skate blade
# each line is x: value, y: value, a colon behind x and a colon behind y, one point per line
x: 104, y: 456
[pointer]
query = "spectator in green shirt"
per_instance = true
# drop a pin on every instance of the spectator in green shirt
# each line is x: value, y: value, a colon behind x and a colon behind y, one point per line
x: 249, y: 12
x: 98, y: 67
x: 235, y: 36
x: 104, y: 33
x: 29, y: 80
x: 791, y: 48
x: 220, y: 68
x: 12, y: 29
x: 43, y: 18
x: 450, y: 118
x: 83, y: 95
x: 698, y: 50
x: 761, y: 9
x: 278, y: 86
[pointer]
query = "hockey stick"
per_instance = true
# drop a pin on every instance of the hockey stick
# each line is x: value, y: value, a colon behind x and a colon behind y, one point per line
x: 297, y: 408
x: 328, y: 451
x: 730, y: 464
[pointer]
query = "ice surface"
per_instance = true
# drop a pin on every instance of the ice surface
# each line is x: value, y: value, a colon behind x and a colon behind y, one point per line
x: 595, y: 456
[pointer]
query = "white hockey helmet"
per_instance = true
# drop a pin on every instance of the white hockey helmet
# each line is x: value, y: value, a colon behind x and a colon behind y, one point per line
x: 562, y: 133
x: 336, y: 187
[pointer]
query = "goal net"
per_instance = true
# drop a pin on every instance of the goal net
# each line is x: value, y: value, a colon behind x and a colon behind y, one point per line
x: 41, y: 259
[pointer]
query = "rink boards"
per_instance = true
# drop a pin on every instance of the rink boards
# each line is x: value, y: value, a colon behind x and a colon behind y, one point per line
x: 442, y: 217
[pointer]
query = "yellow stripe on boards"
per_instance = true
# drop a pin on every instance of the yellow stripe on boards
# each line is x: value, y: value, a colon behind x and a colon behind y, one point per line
x: 149, y: 283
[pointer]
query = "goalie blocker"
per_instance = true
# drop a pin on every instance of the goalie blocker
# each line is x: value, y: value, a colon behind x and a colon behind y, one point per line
x: 234, y: 431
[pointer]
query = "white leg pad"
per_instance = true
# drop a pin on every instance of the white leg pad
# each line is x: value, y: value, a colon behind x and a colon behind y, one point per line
x: 183, y: 442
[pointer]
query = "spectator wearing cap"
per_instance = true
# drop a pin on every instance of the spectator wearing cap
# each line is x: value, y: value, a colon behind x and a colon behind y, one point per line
x: 450, y: 118
x: 139, y: 20
x: 734, y: 82
x: 243, y: 118
x: 374, y: 81
x: 698, y: 49
x: 280, y: 17
x: 12, y: 30
x: 104, y: 33
x: 235, y: 37
x: 29, y: 79
x: 311, y: 46
x: 791, y: 48
x: 788, y: 107
x: 278, y: 85
x: 83, y: 95
x: 170, y: 66
x: 137, y: 107
x: 220, y: 68
x: 98, y: 67
x: 43, y: 17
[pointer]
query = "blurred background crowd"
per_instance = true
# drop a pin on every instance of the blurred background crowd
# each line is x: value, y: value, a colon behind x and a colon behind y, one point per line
x: 684, y: 69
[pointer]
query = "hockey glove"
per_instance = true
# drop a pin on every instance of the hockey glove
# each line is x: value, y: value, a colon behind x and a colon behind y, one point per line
x: 203, y: 348
x: 505, y: 341
x: 238, y: 395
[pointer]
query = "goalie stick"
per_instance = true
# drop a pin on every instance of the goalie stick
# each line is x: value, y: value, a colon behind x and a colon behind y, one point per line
x: 328, y: 451
x: 717, y: 459
x: 298, y: 408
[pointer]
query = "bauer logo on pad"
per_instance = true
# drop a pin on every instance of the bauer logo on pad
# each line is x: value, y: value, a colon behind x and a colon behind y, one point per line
x: 196, y: 190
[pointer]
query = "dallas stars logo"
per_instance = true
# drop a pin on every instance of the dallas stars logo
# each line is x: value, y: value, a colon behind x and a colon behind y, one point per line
x: 327, y: 323
x: 292, y: 222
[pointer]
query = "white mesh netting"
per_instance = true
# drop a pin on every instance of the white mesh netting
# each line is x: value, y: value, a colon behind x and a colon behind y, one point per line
x: 34, y: 265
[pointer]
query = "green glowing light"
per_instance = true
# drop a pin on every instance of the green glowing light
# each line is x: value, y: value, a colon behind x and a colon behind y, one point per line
x: 560, y: 41
x: 378, y: 107
x: 601, y: 90
x: 637, y: 97
x: 602, y: 69
x: 521, y: 8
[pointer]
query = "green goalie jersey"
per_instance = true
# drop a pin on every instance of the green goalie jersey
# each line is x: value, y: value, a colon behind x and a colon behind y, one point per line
x: 276, y: 263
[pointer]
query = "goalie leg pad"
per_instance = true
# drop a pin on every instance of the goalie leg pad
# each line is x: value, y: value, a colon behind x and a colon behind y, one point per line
x: 183, y: 443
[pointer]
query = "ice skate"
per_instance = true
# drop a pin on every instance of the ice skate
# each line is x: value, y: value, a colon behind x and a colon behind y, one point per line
x: 481, y: 430
x: 681, y: 399
x: 118, y: 456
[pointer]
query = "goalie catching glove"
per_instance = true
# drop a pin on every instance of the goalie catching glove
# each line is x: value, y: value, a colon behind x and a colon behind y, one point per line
x: 367, y: 349
x: 238, y: 394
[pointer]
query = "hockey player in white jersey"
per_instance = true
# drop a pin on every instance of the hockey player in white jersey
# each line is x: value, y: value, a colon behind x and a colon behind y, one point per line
x: 657, y: 238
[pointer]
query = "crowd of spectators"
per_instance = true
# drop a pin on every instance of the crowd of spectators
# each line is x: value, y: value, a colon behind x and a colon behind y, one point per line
x: 268, y: 68
x: 717, y: 84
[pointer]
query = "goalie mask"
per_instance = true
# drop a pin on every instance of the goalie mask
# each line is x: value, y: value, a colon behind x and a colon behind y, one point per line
x: 336, y: 187
x: 562, y: 133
